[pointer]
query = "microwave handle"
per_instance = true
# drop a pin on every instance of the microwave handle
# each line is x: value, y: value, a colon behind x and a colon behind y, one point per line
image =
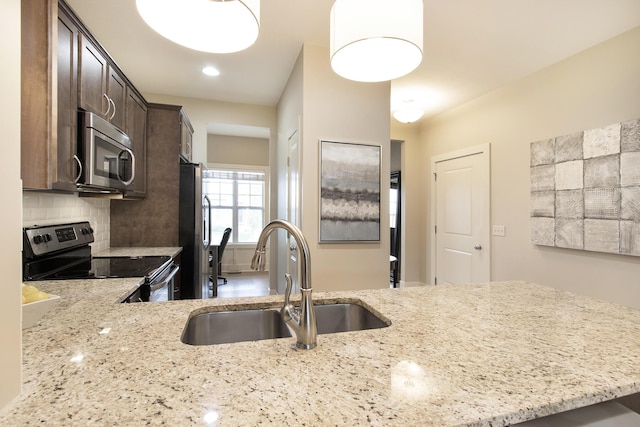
x: 133, y: 168
x: 77, y: 159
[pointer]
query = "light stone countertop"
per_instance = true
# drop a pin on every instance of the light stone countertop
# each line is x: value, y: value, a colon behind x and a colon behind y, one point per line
x: 480, y: 355
x: 133, y: 251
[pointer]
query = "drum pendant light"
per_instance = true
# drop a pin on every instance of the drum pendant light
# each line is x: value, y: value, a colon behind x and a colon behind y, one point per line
x: 216, y: 26
x: 376, y: 40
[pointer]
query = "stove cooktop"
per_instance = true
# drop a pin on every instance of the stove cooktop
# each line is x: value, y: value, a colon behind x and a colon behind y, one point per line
x: 113, y: 267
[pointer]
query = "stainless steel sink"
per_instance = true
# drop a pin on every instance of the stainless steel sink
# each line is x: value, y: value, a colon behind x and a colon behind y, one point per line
x: 221, y: 327
x: 345, y: 317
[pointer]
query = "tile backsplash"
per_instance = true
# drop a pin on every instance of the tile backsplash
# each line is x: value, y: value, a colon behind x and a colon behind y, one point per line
x: 46, y: 208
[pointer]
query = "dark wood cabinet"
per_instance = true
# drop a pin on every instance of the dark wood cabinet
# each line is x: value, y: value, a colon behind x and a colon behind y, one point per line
x: 48, y: 106
x: 64, y: 69
x: 92, y: 77
x: 186, y: 137
x: 102, y: 89
x: 136, y: 128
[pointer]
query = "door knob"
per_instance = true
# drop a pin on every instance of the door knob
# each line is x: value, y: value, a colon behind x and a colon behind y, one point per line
x: 478, y: 247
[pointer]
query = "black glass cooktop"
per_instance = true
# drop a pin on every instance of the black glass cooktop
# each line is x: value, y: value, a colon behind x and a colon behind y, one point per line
x: 102, y: 268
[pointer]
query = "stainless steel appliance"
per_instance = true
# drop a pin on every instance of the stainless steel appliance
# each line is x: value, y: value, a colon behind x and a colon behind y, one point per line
x: 105, y: 155
x: 194, y: 233
x: 62, y: 252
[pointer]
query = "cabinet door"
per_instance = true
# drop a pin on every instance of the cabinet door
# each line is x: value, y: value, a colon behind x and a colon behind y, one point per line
x: 117, y: 93
x: 67, y: 66
x: 92, y: 79
x: 136, y: 129
x: 186, y: 138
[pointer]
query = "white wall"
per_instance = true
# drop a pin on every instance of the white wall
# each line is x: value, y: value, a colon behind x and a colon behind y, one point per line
x: 337, y: 109
x: 10, y: 214
x: 597, y: 87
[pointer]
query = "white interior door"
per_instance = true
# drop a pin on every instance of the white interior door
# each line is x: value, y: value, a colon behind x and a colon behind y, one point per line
x: 293, y: 206
x: 462, y: 217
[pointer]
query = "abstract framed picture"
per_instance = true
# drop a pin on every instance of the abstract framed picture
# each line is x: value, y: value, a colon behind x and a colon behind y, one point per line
x: 349, y: 192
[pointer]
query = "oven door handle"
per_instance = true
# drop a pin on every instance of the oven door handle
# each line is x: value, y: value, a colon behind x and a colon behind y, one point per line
x: 162, y: 282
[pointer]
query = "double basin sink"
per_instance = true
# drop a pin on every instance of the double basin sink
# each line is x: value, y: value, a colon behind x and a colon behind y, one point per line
x: 222, y: 327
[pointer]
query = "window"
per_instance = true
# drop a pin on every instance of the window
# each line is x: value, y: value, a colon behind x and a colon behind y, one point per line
x: 238, y: 200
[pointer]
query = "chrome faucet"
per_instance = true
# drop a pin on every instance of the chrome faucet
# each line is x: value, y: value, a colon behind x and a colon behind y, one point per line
x: 302, y: 320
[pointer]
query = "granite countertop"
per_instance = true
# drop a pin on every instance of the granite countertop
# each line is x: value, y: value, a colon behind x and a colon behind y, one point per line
x: 129, y: 251
x: 479, y: 355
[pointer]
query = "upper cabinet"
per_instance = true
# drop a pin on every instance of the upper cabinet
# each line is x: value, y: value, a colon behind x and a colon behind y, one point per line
x: 48, y: 107
x: 102, y: 90
x: 186, y: 137
x: 136, y: 128
x: 65, y: 69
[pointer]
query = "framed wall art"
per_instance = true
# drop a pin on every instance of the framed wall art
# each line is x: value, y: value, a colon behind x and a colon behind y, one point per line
x: 585, y: 190
x: 349, y: 192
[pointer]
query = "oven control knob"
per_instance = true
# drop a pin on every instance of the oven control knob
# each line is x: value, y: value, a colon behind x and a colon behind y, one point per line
x: 37, y: 239
x: 47, y: 237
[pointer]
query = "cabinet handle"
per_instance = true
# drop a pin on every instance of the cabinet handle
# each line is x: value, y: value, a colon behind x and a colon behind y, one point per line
x: 114, y: 109
x: 75, y: 157
x: 106, y: 113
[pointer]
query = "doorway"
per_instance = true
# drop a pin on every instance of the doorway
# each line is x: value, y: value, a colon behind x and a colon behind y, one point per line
x: 460, y: 214
x: 395, y: 222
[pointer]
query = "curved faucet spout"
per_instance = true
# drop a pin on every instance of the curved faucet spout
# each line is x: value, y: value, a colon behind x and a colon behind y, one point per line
x: 302, y: 320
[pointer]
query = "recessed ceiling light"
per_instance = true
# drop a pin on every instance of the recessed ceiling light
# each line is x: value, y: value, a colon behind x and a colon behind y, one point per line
x: 211, y: 71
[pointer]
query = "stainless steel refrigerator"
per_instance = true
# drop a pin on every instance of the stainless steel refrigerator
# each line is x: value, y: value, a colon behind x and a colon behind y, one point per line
x: 195, y: 233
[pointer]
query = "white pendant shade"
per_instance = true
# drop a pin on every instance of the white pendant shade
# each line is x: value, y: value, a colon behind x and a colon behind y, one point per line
x: 376, y: 40
x: 408, y: 115
x: 216, y: 26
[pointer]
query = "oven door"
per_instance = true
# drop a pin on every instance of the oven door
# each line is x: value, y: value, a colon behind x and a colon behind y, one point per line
x: 161, y: 288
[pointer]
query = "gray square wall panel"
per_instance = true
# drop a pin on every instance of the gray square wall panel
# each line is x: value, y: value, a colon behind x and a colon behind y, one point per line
x: 585, y: 190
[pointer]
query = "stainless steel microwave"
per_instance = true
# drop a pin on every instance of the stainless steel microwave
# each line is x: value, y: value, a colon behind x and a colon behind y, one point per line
x: 106, y: 155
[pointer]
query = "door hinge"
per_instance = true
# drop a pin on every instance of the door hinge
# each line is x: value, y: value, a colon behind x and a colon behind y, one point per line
x: 436, y: 229
x: 435, y: 280
x: 435, y: 176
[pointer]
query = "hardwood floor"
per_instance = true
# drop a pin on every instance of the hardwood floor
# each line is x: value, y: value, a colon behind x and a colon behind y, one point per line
x: 245, y: 285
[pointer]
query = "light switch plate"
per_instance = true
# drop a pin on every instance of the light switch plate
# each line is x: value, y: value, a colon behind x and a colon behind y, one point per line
x: 498, y: 230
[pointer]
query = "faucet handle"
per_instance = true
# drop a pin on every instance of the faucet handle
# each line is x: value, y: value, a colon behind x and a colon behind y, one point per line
x: 287, y: 292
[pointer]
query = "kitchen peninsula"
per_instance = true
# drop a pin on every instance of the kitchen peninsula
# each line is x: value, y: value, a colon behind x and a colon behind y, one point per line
x: 489, y: 354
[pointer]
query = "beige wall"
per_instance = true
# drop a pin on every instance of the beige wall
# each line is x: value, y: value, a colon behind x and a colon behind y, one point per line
x: 201, y: 112
x: 10, y: 216
x: 414, y: 196
x: 597, y: 87
x: 289, y: 123
x: 337, y: 109
x: 237, y: 150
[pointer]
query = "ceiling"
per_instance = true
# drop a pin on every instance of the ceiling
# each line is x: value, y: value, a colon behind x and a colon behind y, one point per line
x: 471, y: 47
